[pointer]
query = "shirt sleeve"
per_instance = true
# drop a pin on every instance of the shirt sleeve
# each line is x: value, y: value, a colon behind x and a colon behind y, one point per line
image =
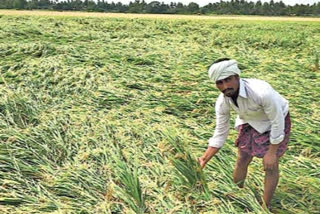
x: 222, y: 123
x: 273, y: 110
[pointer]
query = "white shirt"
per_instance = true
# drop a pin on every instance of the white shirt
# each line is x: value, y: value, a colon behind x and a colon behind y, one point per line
x: 259, y: 105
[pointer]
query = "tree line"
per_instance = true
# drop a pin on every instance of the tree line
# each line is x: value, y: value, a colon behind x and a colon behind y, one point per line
x: 233, y: 7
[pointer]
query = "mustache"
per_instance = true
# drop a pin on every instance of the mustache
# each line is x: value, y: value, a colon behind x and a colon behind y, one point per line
x: 227, y: 89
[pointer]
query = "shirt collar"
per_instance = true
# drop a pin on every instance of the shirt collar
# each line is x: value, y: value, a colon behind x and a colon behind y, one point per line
x: 242, y: 89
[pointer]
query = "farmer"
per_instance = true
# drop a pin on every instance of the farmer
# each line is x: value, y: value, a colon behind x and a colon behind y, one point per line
x: 263, y: 123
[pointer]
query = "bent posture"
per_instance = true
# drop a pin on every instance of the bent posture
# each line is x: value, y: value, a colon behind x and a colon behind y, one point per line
x: 263, y: 123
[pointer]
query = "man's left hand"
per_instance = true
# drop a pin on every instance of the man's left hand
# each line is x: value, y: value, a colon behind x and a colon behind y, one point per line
x: 269, y: 161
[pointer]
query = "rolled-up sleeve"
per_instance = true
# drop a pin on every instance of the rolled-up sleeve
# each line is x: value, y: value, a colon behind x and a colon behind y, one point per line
x: 273, y: 110
x: 221, y: 131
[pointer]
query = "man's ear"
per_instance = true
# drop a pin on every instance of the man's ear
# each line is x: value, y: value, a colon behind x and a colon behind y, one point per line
x: 237, y: 76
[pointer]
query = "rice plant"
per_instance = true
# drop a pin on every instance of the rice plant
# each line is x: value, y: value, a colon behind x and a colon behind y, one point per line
x: 189, y: 170
x: 130, y: 189
x: 18, y: 110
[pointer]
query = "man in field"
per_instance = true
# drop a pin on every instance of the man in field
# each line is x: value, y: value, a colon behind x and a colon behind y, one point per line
x: 263, y: 123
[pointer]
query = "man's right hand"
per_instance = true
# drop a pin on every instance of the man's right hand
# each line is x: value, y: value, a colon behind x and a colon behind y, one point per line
x: 203, y: 160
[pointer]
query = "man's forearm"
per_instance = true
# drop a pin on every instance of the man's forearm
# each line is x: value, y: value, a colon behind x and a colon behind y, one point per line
x: 273, y: 148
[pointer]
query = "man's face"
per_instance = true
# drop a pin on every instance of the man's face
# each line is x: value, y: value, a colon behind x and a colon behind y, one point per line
x: 229, y: 86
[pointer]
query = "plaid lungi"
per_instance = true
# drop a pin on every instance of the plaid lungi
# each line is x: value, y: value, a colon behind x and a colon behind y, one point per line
x: 255, y: 144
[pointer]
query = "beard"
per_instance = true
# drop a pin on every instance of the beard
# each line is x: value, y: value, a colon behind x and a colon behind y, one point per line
x: 229, y: 92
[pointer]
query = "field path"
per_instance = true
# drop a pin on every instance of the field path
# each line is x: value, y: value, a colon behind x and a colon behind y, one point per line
x: 164, y: 16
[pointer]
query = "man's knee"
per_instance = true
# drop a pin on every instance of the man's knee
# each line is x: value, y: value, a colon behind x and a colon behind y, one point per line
x: 273, y: 171
x: 243, y: 160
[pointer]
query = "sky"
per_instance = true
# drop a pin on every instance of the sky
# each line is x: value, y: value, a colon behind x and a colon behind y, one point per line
x: 205, y: 2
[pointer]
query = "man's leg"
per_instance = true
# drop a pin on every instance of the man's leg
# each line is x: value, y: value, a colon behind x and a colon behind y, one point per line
x: 270, y: 183
x: 241, y: 168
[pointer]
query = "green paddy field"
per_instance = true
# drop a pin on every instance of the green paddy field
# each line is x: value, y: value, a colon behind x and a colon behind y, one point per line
x: 107, y: 113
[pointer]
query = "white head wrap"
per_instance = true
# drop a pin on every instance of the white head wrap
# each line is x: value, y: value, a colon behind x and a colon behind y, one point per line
x: 223, y: 69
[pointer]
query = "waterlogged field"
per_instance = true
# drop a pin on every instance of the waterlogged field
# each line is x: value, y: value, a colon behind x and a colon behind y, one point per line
x: 108, y: 114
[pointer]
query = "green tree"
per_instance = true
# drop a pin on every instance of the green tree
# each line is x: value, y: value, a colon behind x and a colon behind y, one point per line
x: 19, y: 4
x: 137, y: 6
x: 193, y: 8
x: 153, y: 7
x: 181, y: 9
